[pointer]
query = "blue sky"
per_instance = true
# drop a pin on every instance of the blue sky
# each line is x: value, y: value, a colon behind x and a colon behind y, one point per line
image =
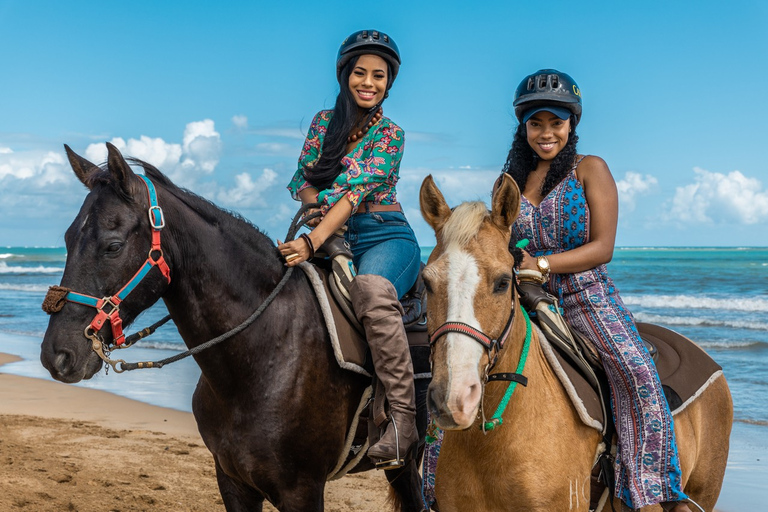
x: 219, y: 96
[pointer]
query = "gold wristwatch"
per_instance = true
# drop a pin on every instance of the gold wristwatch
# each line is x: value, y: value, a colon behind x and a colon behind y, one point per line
x: 542, y: 263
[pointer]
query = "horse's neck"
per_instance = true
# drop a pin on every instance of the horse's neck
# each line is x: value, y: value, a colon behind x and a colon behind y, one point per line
x: 543, y: 393
x: 220, y: 272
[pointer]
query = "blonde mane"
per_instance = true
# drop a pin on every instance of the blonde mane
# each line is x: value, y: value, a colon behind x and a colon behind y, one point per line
x: 464, y: 223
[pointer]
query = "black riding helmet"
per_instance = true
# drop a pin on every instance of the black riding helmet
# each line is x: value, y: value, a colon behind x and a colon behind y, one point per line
x: 373, y: 42
x: 547, y: 87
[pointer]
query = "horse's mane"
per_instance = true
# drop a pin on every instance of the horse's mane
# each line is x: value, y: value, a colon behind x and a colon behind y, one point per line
x: 464, y: 223
x: 209, y: 211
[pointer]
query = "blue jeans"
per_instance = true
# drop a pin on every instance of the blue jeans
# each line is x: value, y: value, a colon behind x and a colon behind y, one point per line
x: 384, y: 244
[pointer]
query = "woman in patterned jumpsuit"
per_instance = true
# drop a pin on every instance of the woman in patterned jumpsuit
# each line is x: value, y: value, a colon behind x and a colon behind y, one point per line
x: 350, y: 164
x: 569, y: 213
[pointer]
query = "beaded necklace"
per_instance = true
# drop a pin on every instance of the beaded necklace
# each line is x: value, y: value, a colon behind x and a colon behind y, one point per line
x: 375, y: 119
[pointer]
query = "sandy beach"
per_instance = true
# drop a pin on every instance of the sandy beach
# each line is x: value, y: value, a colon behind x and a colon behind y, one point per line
x: 69, y: 448
x: 65, y: 448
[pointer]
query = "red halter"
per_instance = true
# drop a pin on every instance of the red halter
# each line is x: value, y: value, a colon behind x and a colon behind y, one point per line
x: 108, y: 308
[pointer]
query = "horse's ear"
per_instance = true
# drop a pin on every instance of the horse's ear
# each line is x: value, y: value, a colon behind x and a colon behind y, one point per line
x: 82, y: 167
x: 434, y: 209
x: 119, y: 168
x: 506, y: 202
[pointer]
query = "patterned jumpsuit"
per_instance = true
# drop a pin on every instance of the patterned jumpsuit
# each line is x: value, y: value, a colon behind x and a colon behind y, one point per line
x: 647, y: 466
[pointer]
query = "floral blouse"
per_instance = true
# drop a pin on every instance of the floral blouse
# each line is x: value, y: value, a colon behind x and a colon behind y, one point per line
x: 370, y: 171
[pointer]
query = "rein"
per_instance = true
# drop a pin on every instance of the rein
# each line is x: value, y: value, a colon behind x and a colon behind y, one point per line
x: 57, y: 296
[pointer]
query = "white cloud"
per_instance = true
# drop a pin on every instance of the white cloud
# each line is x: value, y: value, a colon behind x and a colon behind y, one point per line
x: 720, y: 198
x: 247, y: 192
x: 240, y: 122
x: 202, y: 146
x: 155, y: 151
x: 5, y: 151
x: 632, y: 185
x: 197, y: 155
x: 41, y: 167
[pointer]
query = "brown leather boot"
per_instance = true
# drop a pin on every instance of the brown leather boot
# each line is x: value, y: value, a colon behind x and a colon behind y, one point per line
x: 376, y: 304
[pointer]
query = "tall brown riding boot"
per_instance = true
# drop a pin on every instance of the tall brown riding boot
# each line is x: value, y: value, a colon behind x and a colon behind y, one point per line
x: 375, y: 301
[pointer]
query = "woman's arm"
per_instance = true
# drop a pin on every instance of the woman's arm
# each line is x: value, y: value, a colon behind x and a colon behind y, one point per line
x: 331, y: 222
x: 603, y: 200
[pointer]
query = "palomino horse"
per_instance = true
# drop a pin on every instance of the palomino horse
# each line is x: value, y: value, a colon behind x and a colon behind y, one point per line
x: 540, y: 458
x: 272, y: 404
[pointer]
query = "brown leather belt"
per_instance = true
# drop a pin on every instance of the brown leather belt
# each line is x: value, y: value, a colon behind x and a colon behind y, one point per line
x: 368, y: 206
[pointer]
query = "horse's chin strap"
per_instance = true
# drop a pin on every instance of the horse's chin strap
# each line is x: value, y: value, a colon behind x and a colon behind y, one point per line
x: 108, y: 308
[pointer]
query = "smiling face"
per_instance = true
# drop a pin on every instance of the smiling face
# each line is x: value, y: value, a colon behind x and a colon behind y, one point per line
x: 547, y: 134
x: 368, y: 81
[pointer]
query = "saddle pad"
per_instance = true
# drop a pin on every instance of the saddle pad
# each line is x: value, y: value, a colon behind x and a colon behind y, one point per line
x: 684, y: 368
x: 349, y: 347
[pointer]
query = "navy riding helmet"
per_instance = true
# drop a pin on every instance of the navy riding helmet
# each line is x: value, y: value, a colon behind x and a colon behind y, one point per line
x: 369, y: 42
x: 547, y: 87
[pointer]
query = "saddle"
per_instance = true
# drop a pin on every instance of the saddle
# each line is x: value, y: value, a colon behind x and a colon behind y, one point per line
x: 684, y: 369
x: 330, y: 273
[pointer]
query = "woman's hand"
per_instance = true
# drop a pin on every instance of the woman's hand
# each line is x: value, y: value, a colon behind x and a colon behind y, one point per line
x: 529, y: 262
x: 294, y: 251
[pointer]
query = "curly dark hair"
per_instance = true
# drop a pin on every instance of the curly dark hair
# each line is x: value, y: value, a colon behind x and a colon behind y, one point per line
x: 522, y: 160
x: 346, y: 116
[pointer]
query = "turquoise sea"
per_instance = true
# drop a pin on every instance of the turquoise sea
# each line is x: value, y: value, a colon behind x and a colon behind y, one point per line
x: 716, y: 296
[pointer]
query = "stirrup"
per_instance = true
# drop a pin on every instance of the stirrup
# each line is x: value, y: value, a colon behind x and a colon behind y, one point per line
x: 398, y: 461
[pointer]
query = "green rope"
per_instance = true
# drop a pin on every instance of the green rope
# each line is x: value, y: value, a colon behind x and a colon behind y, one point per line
x: 496, y: 419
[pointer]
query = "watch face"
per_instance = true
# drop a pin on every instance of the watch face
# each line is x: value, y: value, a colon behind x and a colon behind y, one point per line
x: 542, y: 263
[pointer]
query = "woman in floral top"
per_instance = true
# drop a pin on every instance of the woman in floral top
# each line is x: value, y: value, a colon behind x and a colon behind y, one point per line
x: 350, y: 165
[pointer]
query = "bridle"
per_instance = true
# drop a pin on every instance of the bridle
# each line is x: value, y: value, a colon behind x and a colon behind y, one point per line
x: 58, y: 296
x: 492, y: 348
x: 108, y: 308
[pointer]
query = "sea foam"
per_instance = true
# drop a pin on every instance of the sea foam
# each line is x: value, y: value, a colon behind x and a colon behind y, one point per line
x: 753, y: 304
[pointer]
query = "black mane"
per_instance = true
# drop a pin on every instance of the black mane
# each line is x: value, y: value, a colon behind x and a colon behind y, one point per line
x: 206, y: 209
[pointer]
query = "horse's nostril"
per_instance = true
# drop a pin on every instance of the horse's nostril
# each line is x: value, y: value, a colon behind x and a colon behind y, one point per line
x: 63, y: 362
x: 433, y: 398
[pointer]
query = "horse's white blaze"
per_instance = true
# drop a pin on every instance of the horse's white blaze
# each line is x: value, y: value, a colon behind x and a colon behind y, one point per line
x: 462, y: 352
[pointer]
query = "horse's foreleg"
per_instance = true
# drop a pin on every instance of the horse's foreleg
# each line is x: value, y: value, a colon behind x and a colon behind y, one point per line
x: 236, y: 497
x: 406, y: 484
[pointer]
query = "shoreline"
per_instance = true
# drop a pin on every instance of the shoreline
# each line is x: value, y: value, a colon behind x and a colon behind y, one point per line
x: 26, y: 402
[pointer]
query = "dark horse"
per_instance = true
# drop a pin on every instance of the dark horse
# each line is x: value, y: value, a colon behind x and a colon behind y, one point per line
x: 272, y: 404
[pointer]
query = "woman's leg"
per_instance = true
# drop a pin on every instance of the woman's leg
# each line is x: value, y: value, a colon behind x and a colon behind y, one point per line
x: 647, y: 465
x: 387, y: 259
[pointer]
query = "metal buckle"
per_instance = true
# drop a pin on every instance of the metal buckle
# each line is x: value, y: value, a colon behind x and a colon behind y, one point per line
x: 108, y: 302
x: 152, y: 217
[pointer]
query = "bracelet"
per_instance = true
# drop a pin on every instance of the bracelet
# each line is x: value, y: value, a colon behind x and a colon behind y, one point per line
x: 306, y: 238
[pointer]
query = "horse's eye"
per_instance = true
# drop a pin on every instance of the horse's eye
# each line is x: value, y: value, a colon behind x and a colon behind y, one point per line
x: 114, y: 247
x: 427, y: 286
x: 502, y: 285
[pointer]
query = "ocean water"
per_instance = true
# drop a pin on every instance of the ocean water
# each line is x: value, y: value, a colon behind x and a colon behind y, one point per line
x: 716, y: 296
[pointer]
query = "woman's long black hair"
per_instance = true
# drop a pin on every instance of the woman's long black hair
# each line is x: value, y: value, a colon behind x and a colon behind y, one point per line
x: 522, y: 160
x: 346, y: 117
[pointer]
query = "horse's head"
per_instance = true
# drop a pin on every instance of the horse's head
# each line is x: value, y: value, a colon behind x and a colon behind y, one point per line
x: 107, y: 243
x: 470, y: 283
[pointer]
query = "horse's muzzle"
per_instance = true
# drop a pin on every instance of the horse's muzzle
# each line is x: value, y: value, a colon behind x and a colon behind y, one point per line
x: 66, y: 365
